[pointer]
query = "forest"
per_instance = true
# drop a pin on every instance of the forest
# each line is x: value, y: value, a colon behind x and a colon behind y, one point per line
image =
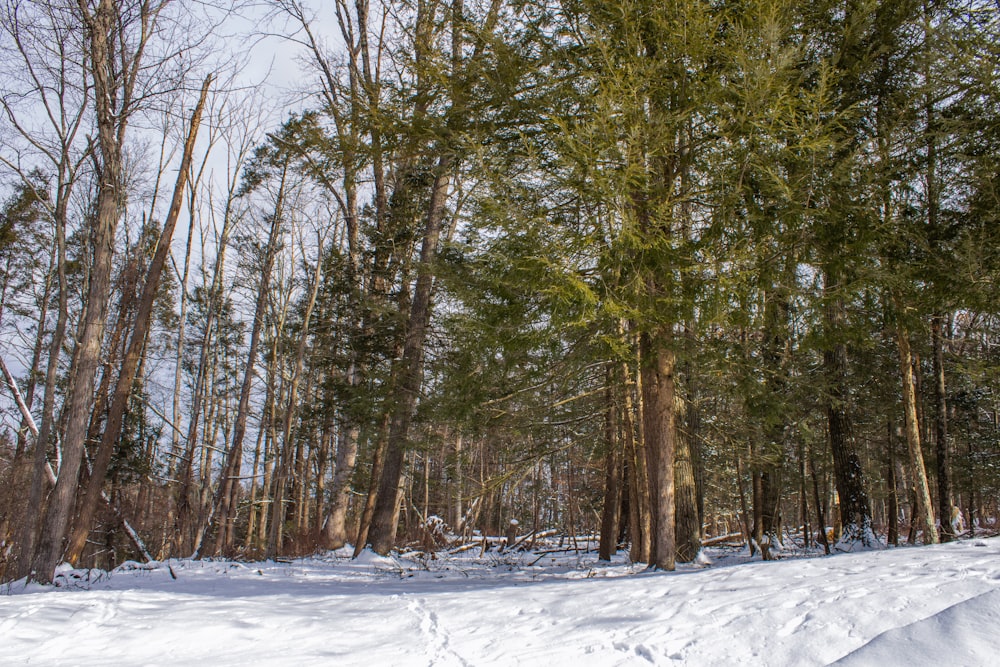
x: 661, y: 272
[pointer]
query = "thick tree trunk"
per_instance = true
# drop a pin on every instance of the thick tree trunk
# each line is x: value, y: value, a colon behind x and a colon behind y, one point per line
x: 687, y: 520
x: 770, y: 504
x: 659, y: 431
x: 848, y: 473
x: 100, y: 27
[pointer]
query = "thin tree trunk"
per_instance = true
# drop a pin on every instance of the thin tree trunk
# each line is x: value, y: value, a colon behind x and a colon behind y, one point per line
x: 744, y: 507
x: 612, y: 462
x: 270, y: 443
x: 933, y: 194
x: 278, y: 508
x: 642, y: 529
x: 231, y: 469
x: 255, y: 487
x: 36, y: 356
x: 184, y: 525
x: 459, y: 523
x: 923, y: 512
x: 31, y: 522
x: 803, y: 498
x: 820, y: 510
x: 775, y: 356
x: 944, y: 483
x: 323, y: 456
x: 893, y: 484
x: 756, y: 496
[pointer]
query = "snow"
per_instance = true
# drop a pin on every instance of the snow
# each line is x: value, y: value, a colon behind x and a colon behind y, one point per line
x: 911, y: 606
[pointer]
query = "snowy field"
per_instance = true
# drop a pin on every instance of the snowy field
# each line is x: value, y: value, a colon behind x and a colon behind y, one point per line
x: 909, y: 606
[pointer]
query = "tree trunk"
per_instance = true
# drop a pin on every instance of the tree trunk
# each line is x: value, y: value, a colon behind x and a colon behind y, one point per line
x: 688, y: 521
x: 642, y: 528
x: 744, y: 508
x: 36, y: 358
x: 257, y: 489
x: 323, y: 456
x: 459, y: 523
x: 288, y: 433
x: 28, y: 534
x: 335, y: 532
x: 803, y: 498
x: 612, y: 475
x: 770, y: 484
x: 88, y: 504
x: 756, y: 496
x: 274, y: 390
x: 234, y: 458
x: 820, y: 510
x: 945, y: 488
x: 659, y: 431
x: 382, y: 535
x: 893, y: 484
x: 183, y: 536
x: 848, y: 473
x: 100, y: 27
x: 378, y: 463
x: 923, y: 512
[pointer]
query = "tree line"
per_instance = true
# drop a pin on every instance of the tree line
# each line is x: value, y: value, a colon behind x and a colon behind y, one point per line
x: 659, y: 271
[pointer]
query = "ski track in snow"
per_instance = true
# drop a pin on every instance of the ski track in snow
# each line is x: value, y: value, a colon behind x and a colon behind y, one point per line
x: 911, y: 606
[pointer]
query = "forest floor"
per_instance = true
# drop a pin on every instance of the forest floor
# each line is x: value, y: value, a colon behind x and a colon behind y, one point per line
x: 937, y: 605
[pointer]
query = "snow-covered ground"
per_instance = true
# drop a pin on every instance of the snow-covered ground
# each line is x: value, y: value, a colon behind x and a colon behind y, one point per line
x: 909, y: 606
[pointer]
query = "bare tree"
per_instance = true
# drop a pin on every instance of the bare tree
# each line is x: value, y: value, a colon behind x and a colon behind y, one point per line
x: 46, y: 73
x: 126, y: 378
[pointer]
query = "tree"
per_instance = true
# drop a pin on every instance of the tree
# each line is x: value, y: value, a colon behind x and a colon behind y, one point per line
x: 87, y: 504
x: 116, y: 42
